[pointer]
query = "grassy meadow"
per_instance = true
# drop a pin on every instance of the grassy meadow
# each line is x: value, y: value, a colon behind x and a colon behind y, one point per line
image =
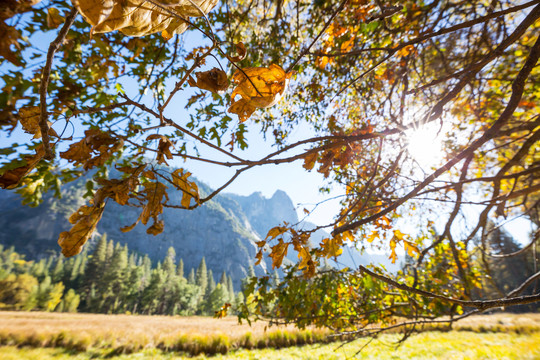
x: 32, y: 335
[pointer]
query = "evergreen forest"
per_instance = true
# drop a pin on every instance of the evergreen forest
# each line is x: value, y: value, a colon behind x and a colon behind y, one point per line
x: 112, y: 280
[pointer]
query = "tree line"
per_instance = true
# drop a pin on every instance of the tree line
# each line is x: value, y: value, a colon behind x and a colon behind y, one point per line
x: 112, y: 280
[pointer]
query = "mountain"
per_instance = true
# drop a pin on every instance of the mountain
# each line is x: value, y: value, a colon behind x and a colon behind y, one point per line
x: 224, y: 230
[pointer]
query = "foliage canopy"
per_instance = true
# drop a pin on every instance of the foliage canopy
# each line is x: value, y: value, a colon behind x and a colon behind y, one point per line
x: 362, y: 74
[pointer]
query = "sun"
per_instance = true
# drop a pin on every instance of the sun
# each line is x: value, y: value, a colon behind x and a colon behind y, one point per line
x: 425, y: 145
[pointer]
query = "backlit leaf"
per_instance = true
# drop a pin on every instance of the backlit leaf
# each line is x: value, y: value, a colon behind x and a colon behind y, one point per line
x: 139, y: 17
x: 278, y: 253
x: 54, y: 19
x: 214, y: 80
x: 258, y: 87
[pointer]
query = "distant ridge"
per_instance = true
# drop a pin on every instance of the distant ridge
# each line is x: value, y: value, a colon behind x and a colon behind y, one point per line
x: 223, y: 230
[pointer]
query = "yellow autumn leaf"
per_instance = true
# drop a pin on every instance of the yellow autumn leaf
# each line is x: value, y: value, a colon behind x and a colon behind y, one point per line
x: 278, y: 253
x: 29, y: 119
x: 398, y: 234
x: 222, y: 312
x: 393, y: 255
x: 331, y: 247
x: 306, y: 264
x: 372, y: 236
x: 140, y: 17
x: 410, y: 248
x: 276, y: 231
x: 405, y: 51
x: 189, y: 189
x: 258, y: 87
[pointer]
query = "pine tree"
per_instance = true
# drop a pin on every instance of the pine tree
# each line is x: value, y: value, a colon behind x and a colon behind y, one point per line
x: 223, y: 279
x: 191, y: 277
x: 230, y: 288
x: 201, y: 276
x: 169, y: 264
x: 275, y: 279
x: 180, y: 269
x: 58, y: 270
x: 211, y: 282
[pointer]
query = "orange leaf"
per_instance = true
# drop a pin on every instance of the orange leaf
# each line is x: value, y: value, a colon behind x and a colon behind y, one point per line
x: 393, y: 255
x: 278, y: 253
x: 276, y: 231
x: 259, y: 87
x: 241, y: 51
x: 410, y: 248
x: 214, y: 80
x: 309, y: 160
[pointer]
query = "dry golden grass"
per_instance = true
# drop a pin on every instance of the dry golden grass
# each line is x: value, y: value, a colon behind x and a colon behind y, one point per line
x: 503, y: 322
x: 193, y: 335
x: 128, y: 333
x: 151, y: 326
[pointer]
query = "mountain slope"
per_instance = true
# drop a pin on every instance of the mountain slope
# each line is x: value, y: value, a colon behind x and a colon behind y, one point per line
x: 224, y: 230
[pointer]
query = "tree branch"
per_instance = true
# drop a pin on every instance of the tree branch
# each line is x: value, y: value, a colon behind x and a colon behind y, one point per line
x: 517, y: 92
x: 479, y: 304
x: 45, y: 75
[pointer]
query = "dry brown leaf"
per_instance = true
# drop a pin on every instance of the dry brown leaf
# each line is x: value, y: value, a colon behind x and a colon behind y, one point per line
x: 10, y: 8
x: 156, y: 228
x: 29, y: 119
x: 259, y: 88
x: 54, y: 19
x: 12, y: 178
x: 84, y: 223
x: 9, y: 37
x: 94, y: 150
x: 214, y: 80
x: 190, y: 190
x: 241, y: 50
x: 139, y: 17
x: 164, y: 148
x: 155, y: 194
